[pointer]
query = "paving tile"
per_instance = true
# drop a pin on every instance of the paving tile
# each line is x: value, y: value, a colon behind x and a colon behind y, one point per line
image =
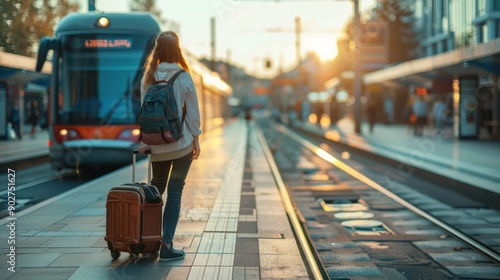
x: 491, y: 242
x: 150, y: 272
x: 59, y: 273
x: 71, y: 241
x: 210, y: 273
x: 76, y: 250
x: 35, y: 260
x: 482, y: 272
x: 282, y: 266
x: 246, y: 259
x: 30, y: 251
x: 247, y: 273
x: 217, y: 243
x: 222, y: 224
x: 178, y: 273
x: 278, y: 223
x: 432, y: 244
x: 193, y: 247
x: 83, y: 259
x: 247, y: 245
x: 35, y: 241
x: 191, y: 227
x: 482, y: 231
x: 368, y: 272
x: 493, y: 220
x: 336, y: 258
x: 247, y: 227
x: 37, y: 222
x: 481, y: 212
x: 82, y: 227
x: 457, y: 256
x: 213, y: 259
x: 101, y: 211
x: 435, y: 232
x: 278, y: 246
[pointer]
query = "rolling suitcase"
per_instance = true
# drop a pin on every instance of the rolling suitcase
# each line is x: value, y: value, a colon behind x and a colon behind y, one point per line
x: 133, y: 218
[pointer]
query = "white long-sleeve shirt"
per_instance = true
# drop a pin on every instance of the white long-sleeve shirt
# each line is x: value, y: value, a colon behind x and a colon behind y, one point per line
x: 185, y: 93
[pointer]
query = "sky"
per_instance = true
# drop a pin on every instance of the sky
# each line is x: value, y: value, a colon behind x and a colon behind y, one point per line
x: 251, y: 32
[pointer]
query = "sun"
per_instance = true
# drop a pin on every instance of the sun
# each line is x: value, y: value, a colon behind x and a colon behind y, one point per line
x: 324, y: 46
x: 326, y: 52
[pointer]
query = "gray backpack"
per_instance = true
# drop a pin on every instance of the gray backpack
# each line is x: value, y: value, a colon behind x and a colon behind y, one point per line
x: 159, y: 120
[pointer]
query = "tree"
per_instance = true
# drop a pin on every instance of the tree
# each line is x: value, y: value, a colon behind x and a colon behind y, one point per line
x: 25, y: 22
x: 146, y: 6
x: 399, y: 18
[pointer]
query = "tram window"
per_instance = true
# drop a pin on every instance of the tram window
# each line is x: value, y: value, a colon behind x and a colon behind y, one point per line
x: 98, y: 84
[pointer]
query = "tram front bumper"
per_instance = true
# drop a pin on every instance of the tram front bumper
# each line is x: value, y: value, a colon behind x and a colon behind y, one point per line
x: 90, y: 152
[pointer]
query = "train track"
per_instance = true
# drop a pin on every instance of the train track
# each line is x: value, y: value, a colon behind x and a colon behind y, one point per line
x: 359, y: 222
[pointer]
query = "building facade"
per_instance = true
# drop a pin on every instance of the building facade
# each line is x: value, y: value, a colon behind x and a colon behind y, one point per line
x: 458, y: 57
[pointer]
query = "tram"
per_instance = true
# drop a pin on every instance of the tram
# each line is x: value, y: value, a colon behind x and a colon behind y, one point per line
x: 94, y: 95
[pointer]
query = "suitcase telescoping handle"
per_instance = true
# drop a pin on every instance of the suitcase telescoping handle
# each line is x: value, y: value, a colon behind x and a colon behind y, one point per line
x: 134, y: 158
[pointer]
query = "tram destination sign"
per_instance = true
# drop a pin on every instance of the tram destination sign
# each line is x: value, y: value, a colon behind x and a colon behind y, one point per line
x: 86, y: 43
x: 121, y: 43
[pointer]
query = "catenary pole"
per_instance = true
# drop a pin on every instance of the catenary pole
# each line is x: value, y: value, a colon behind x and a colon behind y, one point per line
x: 358, y: 86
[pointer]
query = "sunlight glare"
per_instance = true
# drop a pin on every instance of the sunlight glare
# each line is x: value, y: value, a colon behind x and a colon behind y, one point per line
x: 325, y: 46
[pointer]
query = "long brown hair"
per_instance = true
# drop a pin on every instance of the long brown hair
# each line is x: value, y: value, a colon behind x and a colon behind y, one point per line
x: 167, y: 49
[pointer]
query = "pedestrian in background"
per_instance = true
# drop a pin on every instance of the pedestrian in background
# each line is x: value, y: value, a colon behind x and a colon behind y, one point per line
x: 409, y: 115
x: 171, y: 162
x: 371, y: 112
x: 34, y: 117
x: 419, y: 108
x: 14, y: 118
x: 440, y: 116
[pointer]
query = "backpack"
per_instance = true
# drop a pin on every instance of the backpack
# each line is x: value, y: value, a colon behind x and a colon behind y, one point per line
x: 159, y: 119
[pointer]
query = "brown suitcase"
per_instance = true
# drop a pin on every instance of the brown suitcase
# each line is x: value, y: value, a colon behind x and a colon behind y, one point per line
x: 133, y: 218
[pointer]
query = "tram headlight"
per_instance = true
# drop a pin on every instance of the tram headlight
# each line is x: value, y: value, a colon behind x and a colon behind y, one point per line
x: 102, y: 22
x: 66, y: 134
x: 130, y: 134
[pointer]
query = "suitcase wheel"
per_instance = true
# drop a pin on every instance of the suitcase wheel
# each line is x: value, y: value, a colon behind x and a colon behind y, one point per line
x: 115, y: 255
x: 153, y: 255
x: 134, y: 257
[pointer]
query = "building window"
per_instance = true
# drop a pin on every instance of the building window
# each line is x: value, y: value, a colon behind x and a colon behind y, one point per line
x: 417, y: 7
x: 484, y: 33
x: 481, y: 7
x: 444, y: 22
x: 462, y: 13
x: 496, y: 5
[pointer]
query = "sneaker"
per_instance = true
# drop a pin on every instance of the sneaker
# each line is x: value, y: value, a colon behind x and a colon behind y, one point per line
x: 169, y: 254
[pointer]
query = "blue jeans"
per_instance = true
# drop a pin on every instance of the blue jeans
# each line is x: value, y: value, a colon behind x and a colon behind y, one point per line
x: 176, y: 182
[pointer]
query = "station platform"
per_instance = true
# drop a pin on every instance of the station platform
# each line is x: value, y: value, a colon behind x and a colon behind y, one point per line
x: 28, y: 148
x: 232, y: 226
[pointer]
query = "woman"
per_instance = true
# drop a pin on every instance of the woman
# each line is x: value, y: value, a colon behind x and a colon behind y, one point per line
x: 164, y: 61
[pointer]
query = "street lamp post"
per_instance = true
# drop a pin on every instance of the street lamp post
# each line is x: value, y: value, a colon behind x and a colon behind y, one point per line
x: 358, y: 87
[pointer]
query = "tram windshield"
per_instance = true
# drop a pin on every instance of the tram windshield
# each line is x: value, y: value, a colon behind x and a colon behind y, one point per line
x: 99, y: 78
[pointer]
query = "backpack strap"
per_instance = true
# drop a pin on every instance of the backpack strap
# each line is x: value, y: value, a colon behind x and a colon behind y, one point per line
x: 171, y: 81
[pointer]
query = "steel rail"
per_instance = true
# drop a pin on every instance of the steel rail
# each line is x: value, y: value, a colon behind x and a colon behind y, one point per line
x: 290, y: 210
x: 479, y: 247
